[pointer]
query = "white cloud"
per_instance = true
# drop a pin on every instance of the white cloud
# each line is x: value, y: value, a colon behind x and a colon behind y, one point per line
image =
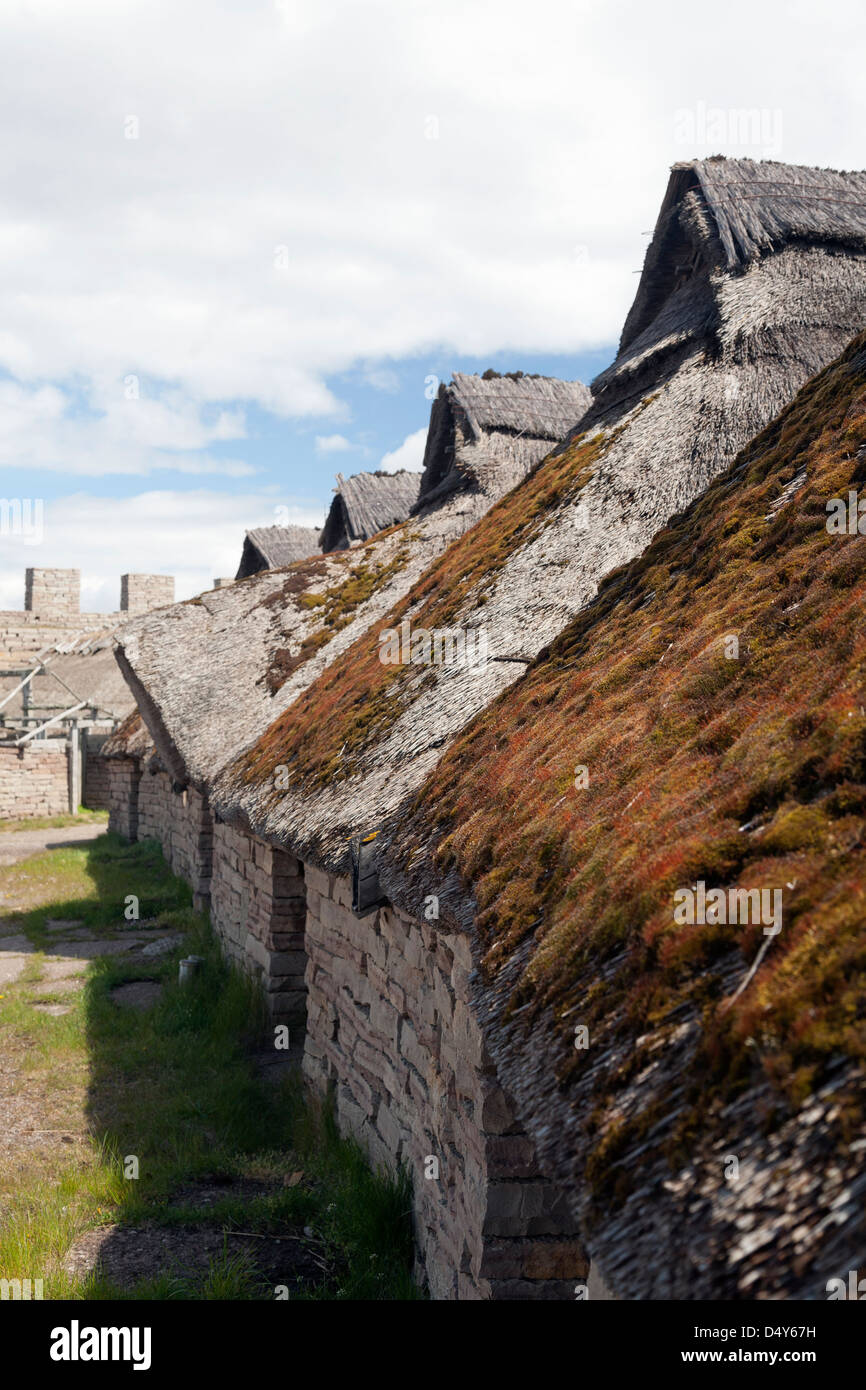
x: 332, y: 444
x: 383, y: 379
x: 259, y: 235
x: 409, y: 455
x: 147, y: 534
x: 43, y: 427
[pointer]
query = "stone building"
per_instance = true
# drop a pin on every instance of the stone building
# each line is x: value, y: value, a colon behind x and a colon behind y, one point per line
x: 340, y: 817
x: 57, y: 670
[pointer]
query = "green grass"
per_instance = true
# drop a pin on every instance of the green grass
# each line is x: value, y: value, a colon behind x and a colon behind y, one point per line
x: 84, y: 816
x: 176, y: 1087
x: 91, y: 883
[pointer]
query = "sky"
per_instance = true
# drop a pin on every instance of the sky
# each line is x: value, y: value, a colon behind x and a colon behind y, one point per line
x: 241, y: 242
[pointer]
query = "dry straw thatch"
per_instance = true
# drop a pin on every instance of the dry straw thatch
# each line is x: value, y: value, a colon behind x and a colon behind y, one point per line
x: 274, y: 547
x: 710, y: 354
x: 718, y: 1113
x: 211, y: 674
x: 741, y: 301
x: 366, y: 504
x: 499, y: 425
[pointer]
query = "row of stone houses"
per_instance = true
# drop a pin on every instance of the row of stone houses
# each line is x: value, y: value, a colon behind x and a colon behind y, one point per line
x: 313, y: 795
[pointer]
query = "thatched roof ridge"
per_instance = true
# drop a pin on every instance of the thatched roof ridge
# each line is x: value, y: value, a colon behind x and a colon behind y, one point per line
x: 367, y: 503
x: 722, y: 355
x: 541, y: 406
x: 760, y: 207
x: 724, y: 214
x: 274, y: 547
x: 212, y: 673
x: 495, y: 425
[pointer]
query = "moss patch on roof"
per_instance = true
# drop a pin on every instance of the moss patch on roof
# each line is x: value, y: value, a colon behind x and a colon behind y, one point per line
x: 335, y: 607
x: 742, y: 764
x: 357, y: 699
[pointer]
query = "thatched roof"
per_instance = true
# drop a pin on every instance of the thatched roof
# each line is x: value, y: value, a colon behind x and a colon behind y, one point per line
x: 368, y: 503
x: 723, y: 354
x: 211, y: 674
x: 705, y: 1042
x: 714, y: 353
x: 130, y: 739
x: 497, y: 424
x: 568, y: 904
x: 273, y: 547
x: 725, y: 351
x: 84, y: 669
x: 725, y: 214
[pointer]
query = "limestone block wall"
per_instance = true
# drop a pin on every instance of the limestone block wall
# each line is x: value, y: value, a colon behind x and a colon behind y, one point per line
x: 124, y: 775
x: 34, y: 779
x: 391, y: 1031
x: 52, y: 602
x: 52, y: 593
x: 257, y: 910
x: 181, y: 821
x: 141, y: 592
x: 26, y: 634
x: 391, y: 1036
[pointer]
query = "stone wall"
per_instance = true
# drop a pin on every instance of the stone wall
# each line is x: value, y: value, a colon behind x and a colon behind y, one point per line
x: 180, y: 820
x: 124, y: 775
x: 96, y: 789
x: 391, y: 1036
x: 52, y: 602
x: 141, y: 592
x: 34, y: 779
x: 257, y: 910
x: 54, y: 594
x: 390, y: 1030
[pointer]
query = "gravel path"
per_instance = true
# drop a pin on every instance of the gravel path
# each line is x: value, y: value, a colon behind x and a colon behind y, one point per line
x: 21, y: 844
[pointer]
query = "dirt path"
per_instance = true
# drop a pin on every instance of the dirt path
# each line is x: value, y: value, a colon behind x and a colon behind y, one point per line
x: 16, y: 845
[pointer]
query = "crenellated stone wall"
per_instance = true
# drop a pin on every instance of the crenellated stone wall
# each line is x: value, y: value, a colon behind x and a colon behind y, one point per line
x: 141, y: 592
x: 52, y: 609
x: 54, y: 594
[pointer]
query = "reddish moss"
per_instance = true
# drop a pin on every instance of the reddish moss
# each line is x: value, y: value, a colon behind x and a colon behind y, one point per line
x: 744, y: 772
x: 356, y: 700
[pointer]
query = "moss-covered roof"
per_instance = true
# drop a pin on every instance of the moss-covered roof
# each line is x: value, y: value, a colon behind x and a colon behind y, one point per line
x: 715, y: 692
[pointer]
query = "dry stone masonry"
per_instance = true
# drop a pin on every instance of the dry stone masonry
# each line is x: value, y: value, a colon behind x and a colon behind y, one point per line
x: 391, y: 1032
x: 34, y: 779
x: 52, y: 608
x: 383, y: 1005
x: 180, y: 819
x: 141, y: 592
x: 257, y: 908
